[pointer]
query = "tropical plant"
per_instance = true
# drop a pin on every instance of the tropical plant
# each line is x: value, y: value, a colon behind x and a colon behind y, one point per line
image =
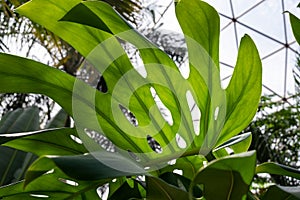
x: 154, y: 157
x: 30, y: 36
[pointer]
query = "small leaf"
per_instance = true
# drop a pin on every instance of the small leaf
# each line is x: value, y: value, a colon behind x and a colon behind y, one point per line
x: 228, y: 176
x: 278, y: 169
x: 237, y: 144
x: 295, y: 22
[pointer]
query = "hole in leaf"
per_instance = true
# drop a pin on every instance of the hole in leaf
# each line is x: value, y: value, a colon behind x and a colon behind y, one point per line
x: 135, y: 58
x: 100, y: 139
x: 88, y: 73
x: 76, y: 139
x: 101, y: 85
x: 216, y: 113
x: 50, y: 171
x: 173, y: 44
x: 184, y: 69
x: 69, y: 182
x: 195, y: 112
x: 155, y: 146
x: 229, y: 150
x: 178, y: 171
x: 165, y: 112
x: 103, y: 191
x: 180, y: 141
x: 129, y: 115
x: 172, y: 162
x: 39, y: 195
x: 141, y: 178
x: 114, y: 180
x: 146, y: 168
x: 134, y: 156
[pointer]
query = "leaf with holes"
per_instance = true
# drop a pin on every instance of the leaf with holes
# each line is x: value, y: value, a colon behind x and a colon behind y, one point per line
x: 150, y: 141
x: 128, y: 89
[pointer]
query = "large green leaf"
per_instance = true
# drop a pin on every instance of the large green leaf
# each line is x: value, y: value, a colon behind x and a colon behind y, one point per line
x: 229, y: 175
x: 13, y: 162
x: 83, y: 28
x: 93, y: 28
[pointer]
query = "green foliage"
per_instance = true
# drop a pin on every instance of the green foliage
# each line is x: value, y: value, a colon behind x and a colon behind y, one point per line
x: 13, y: 162
x: 280, y: 192
x: 66, y: 170
x: 229, y: 175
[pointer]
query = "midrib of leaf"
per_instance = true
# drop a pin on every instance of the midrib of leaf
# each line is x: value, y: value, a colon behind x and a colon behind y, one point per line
x: 209, y: 84
x: 190, y: 133
x: 231, y: 186
x: 208, y: 100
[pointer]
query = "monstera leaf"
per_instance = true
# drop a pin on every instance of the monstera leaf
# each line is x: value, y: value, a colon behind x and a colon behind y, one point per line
x: 97, y: 31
